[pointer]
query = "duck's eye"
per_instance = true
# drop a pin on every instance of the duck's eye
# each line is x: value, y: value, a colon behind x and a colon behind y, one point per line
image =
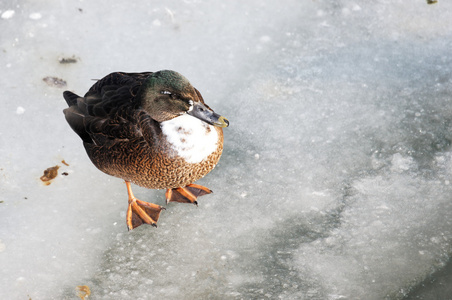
x: 166, y: 92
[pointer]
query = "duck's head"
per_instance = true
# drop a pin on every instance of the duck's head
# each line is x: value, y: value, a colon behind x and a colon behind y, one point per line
x: 167, y: 94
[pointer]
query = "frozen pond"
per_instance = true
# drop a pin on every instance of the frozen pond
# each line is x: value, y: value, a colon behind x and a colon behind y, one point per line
x: 335, y: 181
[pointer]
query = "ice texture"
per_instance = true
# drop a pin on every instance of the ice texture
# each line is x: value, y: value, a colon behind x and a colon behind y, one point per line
x: 335, y: 181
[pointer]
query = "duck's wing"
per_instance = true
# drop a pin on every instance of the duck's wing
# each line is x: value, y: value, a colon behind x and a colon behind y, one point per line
x: 109, y: 112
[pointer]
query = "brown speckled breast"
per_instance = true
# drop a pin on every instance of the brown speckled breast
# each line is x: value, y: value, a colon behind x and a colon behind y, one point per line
x: 156, y: 167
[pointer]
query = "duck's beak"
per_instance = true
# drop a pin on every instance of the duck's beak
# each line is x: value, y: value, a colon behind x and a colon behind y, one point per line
x: 207, y: 115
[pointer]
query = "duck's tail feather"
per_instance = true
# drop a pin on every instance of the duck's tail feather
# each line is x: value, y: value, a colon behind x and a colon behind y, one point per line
x: 75, y: 117
x: 71, y: 98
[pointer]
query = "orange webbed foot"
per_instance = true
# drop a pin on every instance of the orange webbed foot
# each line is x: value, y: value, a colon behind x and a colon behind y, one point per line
x: 140, y: 212
x: 188, y: 194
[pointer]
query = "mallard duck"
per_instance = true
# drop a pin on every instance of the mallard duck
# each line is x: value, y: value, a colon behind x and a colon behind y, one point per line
x: 152, y: 129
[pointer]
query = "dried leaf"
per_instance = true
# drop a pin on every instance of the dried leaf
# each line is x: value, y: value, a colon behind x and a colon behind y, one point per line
x: 54, y: 81
x: 49, y: 174
x: 83, y: 291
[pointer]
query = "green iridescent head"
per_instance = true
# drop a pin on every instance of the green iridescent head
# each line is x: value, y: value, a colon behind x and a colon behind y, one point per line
x: 167, y: 94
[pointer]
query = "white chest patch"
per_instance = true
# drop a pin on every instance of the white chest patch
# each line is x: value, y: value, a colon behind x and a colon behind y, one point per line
x: 191, y: 138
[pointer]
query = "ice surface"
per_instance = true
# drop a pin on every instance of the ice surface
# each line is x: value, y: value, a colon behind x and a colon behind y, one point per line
x: 335, y: 182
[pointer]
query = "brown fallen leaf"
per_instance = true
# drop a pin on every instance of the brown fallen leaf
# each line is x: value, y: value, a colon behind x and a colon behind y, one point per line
x: 83, y: 291
x: 49, y: 174
x: 68, y: 60
x: 54, y: 81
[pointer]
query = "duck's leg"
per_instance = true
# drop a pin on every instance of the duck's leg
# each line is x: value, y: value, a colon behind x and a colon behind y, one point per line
x: 188, y: 194
x: 140, y: 212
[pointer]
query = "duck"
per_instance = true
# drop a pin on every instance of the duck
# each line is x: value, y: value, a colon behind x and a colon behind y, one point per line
x: 152, y: 129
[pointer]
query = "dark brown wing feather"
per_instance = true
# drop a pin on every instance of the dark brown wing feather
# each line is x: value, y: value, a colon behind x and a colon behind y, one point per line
x: 108, y: 112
